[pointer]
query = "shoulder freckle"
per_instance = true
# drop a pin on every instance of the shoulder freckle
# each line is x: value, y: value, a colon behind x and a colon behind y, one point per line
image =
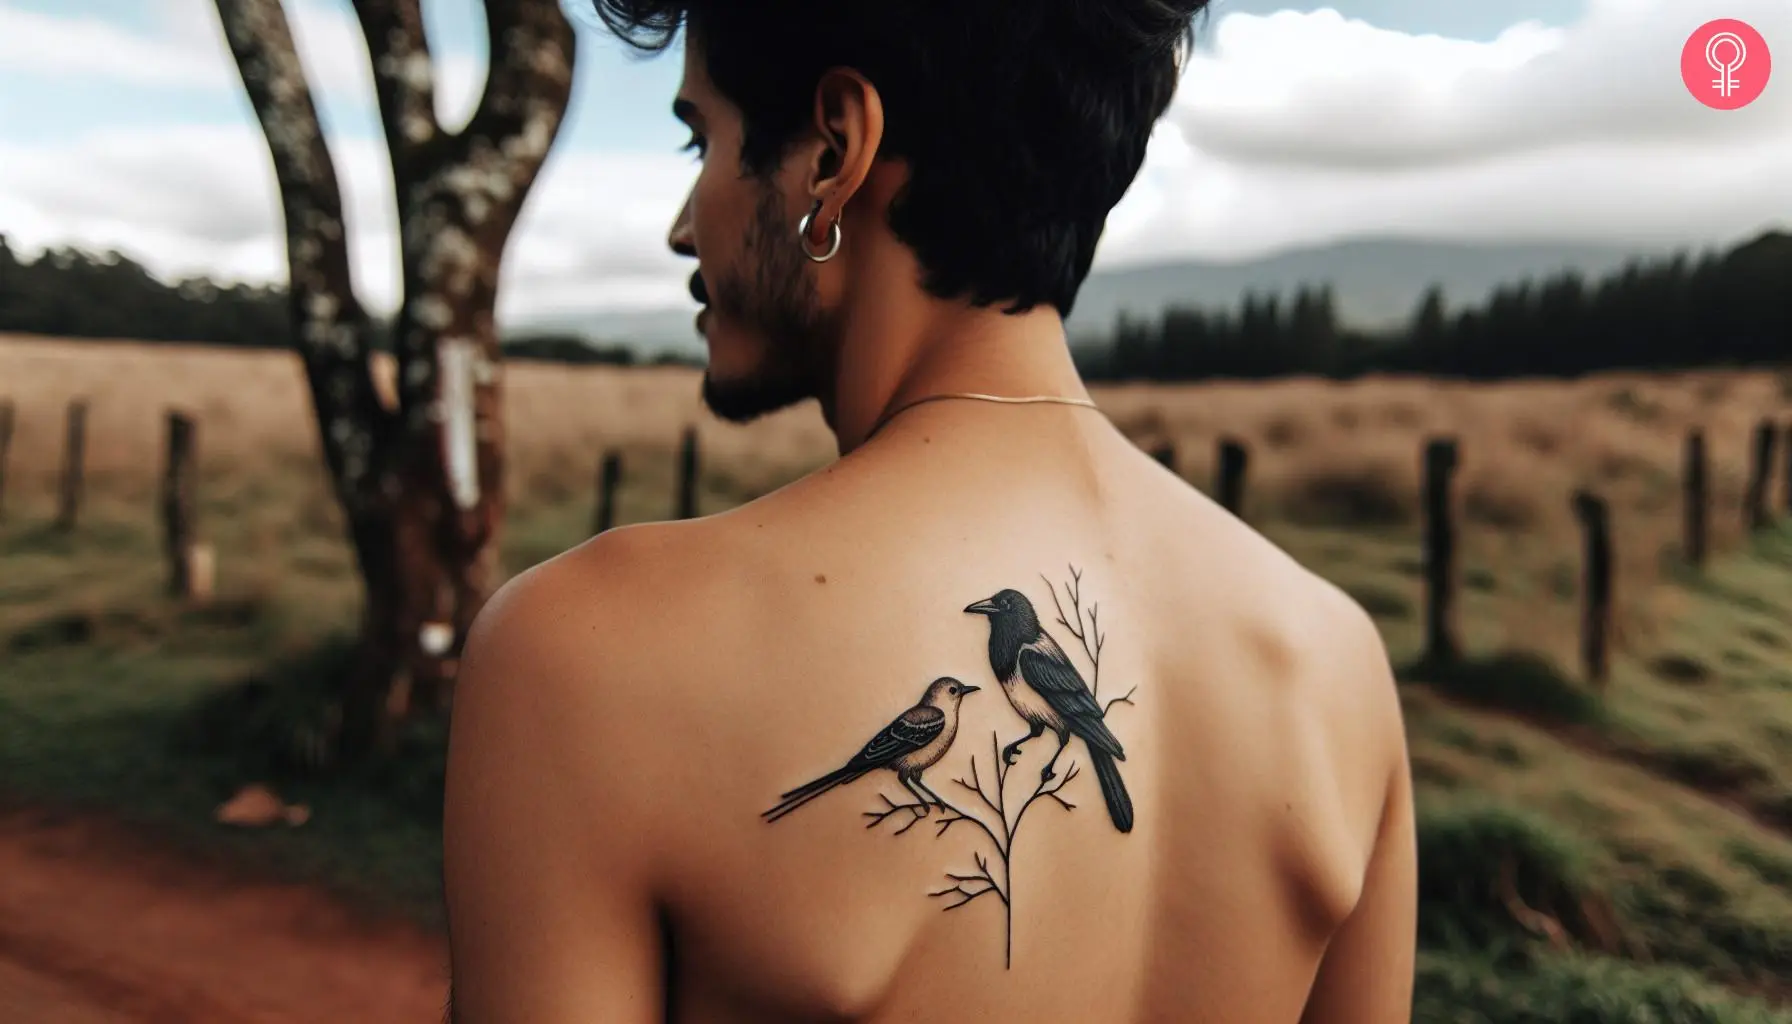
x: 821, y: 577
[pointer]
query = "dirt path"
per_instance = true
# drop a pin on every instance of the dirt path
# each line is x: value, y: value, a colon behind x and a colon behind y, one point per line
x: 98, y: 925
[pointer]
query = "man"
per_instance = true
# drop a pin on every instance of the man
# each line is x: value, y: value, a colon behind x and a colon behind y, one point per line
x: 1189, y: 799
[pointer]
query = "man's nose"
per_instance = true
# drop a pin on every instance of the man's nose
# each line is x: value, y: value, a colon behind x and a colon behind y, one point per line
x: 682, y: 240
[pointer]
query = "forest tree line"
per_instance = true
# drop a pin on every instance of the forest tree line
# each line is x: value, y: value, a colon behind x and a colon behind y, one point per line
x: 1731, y: 308
x: 1722, y: 309
x: 71, y: 293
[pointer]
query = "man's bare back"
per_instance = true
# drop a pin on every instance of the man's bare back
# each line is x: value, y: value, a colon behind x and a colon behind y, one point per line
x: 1271, y: 838
x: 993, y: 719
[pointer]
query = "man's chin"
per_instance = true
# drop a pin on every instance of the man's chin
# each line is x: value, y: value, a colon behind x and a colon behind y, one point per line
x: 744, y: 399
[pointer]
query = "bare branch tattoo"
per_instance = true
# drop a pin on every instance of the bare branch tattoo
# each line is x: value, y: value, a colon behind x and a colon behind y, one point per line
x: 1045, y: 688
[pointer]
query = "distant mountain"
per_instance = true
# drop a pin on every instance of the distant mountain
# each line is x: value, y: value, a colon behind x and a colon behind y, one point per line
x: 649, y: 332
x: 1376, y: 283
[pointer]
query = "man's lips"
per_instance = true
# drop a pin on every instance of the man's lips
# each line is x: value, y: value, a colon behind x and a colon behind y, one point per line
x: 701, y: 293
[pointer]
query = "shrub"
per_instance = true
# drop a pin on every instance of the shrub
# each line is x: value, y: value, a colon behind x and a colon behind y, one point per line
x: 1575, y: 990
x: 1367, y: 494
x: 1515, y: 681
x: 1490, y: 874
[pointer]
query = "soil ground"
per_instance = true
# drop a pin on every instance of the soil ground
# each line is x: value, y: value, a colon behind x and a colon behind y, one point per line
x: 99, y: 924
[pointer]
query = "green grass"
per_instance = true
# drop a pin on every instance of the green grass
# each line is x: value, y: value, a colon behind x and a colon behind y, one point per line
x: 1480, y: 859
x: 1586, y: 855
x: 113, y: 697
x: 1517, y: 681
x: 1574, y: 989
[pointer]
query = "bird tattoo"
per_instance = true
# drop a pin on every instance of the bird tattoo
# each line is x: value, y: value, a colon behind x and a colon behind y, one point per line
x: 908, y: 746
x: 1048, y: 692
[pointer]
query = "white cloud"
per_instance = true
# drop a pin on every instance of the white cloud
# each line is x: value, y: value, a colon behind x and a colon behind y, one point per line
x: 1320, y: 89
x: 203, y: 201
x: 188, y: 51
x: 86, y: 47
x: 1306, y: 128
x: 1290, y: 129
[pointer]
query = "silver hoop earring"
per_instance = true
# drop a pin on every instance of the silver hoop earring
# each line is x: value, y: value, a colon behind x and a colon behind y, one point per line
x: 802, y: 238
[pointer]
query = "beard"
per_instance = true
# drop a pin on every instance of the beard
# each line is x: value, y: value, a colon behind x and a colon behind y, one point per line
x: 774, y: 301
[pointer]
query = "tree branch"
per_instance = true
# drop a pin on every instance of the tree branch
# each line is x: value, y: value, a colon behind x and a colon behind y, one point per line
x: 964, y: 895
x: 975, y: 785
x: 1044, y: 790
x: 403, y: 84
x: 917, y: 811
x: 520, y: 111
x: 1109, y: 706
x: 333, y: 331
x: 949, y: 816
x: 1084, y: 635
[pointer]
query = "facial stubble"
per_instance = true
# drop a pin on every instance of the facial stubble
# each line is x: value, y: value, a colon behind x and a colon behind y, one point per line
x: 773, y: 301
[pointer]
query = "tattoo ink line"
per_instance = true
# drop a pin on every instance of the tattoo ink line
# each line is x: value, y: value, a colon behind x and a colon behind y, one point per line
x: 1046, y: 690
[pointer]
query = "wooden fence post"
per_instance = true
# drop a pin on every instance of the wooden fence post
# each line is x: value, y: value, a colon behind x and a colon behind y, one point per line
x: 609, y: 479
x: 687, y: 476
x: 1234, y: 461
x: 1165, y: 454
x: 1698, y: 499
x: 1760, y: 468
x: 1441, y: 645
x: 6, y: 422
x: 1786, y: 464
x: 180, y: 520
x: 74, y: 453
x: 1596, y: 599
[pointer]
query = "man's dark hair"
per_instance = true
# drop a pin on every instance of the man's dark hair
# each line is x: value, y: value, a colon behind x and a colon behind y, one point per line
x: 1023, y: 122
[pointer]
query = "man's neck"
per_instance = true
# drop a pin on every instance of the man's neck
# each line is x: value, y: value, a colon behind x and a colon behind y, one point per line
x: 894, y: 353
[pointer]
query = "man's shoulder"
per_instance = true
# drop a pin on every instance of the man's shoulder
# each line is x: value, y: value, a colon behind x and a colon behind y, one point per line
x: 634, y: 594
x: 1345, y: 675
x: 598, y: 663
x: 648, y: 617
x: 1315, y: 642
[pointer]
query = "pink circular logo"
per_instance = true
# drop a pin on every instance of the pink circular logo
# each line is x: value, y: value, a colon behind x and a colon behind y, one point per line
x: 1726, y: 64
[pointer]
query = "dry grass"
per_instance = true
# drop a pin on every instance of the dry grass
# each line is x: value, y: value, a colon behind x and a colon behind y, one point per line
x: 254, y: 415
x: 1322, y: 453
x: 102, y: 670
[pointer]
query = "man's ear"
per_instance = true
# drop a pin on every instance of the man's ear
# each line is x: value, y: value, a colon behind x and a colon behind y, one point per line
x: 849, y: 118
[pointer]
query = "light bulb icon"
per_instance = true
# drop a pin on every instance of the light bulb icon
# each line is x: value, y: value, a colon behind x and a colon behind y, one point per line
x: 1726, y: 53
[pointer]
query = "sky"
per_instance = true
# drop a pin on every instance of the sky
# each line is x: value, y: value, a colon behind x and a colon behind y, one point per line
x: 123, y: 126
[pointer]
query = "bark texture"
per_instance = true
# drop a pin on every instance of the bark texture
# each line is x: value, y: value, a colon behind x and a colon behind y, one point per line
x: 420, y: 481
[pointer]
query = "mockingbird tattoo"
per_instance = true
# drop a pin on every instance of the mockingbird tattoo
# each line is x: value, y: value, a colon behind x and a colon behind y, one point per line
x: 908, y: 746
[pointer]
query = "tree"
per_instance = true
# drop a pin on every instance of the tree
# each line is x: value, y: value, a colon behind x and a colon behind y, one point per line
x: 418, y: 473
x: 1429, y: 332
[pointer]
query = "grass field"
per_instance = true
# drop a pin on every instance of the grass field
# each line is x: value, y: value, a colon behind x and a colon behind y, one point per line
x: 1584, y: 858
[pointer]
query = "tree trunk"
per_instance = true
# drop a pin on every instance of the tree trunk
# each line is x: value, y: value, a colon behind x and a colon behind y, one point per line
x: 421, y: 482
